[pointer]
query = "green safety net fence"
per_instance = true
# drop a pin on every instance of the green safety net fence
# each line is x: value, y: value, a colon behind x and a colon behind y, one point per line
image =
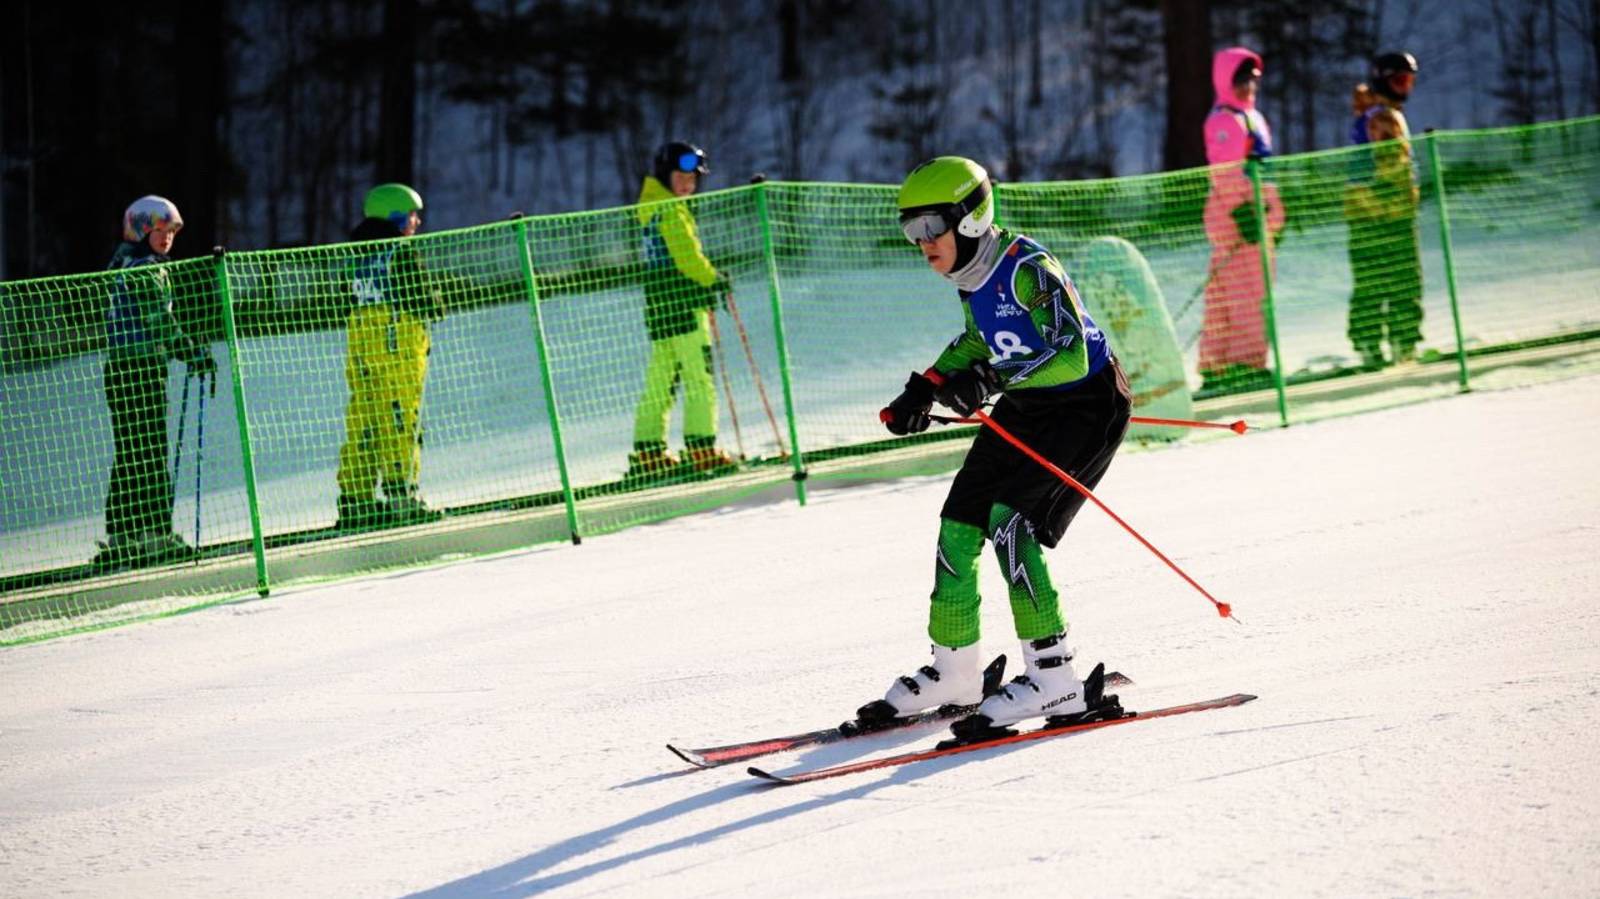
x: 411, y: 401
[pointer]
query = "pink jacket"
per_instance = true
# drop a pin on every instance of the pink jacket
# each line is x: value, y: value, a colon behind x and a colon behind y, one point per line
x: 1234, y: 131
x: 1233, y: 331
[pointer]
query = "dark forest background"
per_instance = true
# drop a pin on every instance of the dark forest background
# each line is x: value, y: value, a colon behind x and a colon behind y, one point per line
x: 266, y: 121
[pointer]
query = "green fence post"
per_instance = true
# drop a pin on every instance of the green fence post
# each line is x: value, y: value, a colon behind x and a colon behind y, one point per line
x: 1269, y: 306
x: 231, y: 331
x: 551, y: 408
x: 783, y: 346
x: 1449, y: 258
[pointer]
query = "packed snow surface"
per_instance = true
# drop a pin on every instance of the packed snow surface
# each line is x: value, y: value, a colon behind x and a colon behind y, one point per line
x: 1419, y: 598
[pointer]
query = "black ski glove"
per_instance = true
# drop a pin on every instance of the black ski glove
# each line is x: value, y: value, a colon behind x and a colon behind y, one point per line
x: 908, y: 414
x: 199, y: 360
x: 1244, y: 218
x: 966, y: 390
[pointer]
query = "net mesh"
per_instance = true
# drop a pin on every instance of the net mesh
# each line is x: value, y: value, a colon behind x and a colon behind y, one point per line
x: 1524, y: 212
x: 400, y: 402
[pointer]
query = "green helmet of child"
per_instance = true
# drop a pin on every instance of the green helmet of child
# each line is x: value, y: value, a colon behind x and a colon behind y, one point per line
x: 954, y: 187
x: 392, y: 202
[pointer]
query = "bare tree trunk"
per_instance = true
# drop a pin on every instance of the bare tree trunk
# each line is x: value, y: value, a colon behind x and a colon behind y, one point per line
x: 283, y: 122
x: 508, y: 108
x: 1036, y: 56
x: 1501, y: 42
x: 1186, y: 41
x: 7, y: 53
x: 426, y: 122
x: 980, y: 34
x: 629, y: 163
x: 1594, y: 50
x: 933, y: 112
x: 1308, y: 80
x: 1308, y: 83
x: 397, y: 104
x: 796, y: 90
x: 200, y: 98
x: 17, y: 247
x: 342, y: 138
x: 98, y: 190
x: 1010, y: 126
x: 33, y: 169
x: 945, y: 64
x: 1099, y: 65
x: 492, y: 132
x: 590, y: 149
x: 1559, y: 92
x: 316, y: 139
x: 560, y: 112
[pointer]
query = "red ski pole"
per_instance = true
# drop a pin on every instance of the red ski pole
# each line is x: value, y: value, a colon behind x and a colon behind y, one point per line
x: 1223, y: 609
x: 727, y: 383
x: 755, y: 372
x: 1238, y: 427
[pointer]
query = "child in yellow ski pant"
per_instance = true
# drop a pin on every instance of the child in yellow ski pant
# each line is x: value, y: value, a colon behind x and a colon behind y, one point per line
x: 682, y: 359
x: 386, y: 367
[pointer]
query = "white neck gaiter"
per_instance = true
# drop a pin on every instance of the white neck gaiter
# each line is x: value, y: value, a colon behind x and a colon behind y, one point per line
x: 972, y: 275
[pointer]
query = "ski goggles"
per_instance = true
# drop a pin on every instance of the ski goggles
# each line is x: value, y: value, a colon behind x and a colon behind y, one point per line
x: 1403, y: 81
x: 924, y: 226
x: 692, y: 162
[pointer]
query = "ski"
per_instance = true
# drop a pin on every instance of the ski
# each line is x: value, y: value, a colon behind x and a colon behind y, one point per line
x: 1042, y: 733
x: 716, y: 756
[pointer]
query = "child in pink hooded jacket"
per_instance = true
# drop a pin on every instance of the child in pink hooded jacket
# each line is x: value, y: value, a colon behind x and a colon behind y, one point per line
x: 1233, y: 342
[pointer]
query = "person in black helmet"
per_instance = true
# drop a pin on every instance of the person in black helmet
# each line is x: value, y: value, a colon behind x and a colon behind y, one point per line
x: 681, y: 287
x: 1381, y: 208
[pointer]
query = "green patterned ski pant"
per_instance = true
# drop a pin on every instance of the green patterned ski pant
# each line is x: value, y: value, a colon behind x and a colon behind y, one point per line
x: 953, y: 614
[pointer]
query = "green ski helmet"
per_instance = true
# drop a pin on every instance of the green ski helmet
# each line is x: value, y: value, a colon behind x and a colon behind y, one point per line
x: 392, y: 202
x: 943, y: 193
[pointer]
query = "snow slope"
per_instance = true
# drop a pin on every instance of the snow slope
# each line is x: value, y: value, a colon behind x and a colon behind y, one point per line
x: 1418, y: 589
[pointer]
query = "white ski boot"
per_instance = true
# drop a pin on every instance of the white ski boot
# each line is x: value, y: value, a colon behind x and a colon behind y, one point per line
x: 955, y: 678
x: 1048, y: 686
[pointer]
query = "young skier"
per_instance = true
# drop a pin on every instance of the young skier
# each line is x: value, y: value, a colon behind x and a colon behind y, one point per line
x: 141, y: 336
x: 392, y: 303
x: 1380, y: 205
x: 681, y: 290
x: 1029, y: 338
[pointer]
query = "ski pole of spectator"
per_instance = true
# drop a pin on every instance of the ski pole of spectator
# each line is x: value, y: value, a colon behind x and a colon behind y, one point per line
x: 727, y: 384
x: 200, y: 456
x: 755, y: 373
x: 183, y: 419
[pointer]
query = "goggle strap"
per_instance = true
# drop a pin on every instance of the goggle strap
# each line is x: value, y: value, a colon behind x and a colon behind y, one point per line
x: 972, y: 201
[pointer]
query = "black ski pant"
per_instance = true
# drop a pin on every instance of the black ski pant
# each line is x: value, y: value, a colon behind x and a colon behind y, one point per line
x: 140, y: 495
x: 1386, y: 301
x: 1079, y: 430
